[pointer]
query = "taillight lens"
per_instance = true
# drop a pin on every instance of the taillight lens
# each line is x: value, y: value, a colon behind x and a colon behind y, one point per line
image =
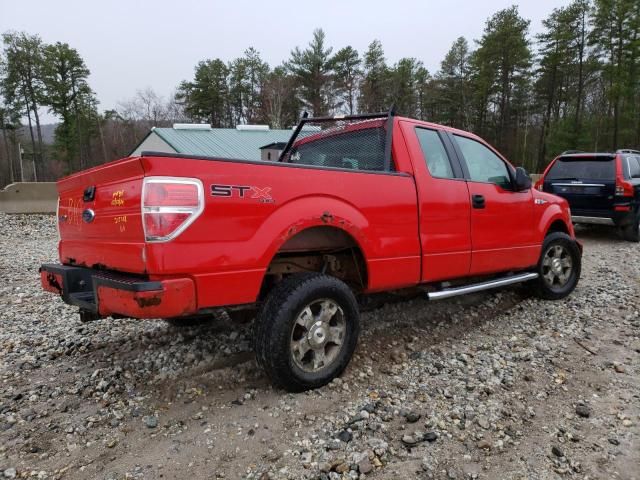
x: 624, y: 189
x: 169, y: 206
x: 58, y: 218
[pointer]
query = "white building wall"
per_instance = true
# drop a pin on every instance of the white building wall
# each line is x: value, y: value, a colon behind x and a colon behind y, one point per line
x: 153, y: 143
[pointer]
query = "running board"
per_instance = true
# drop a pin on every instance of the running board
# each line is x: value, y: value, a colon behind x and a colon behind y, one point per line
x: 477, y: 287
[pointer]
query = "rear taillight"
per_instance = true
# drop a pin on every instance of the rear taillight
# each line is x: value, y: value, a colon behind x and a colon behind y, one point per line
x: 58, y: 218
x: 169, y: 206
x: 623, y: 189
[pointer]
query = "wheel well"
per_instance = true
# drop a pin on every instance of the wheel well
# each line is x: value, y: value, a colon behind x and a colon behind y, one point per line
x: 327, y: 249
x: 558, y: 226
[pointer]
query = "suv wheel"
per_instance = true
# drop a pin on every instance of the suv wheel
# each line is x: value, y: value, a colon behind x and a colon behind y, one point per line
x: 631, y: 232
x: 306, y: 331
x: 559, y: 267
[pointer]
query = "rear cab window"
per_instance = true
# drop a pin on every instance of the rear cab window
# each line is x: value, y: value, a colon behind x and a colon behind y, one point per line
x: 355, y: 147
x: 581, y: 168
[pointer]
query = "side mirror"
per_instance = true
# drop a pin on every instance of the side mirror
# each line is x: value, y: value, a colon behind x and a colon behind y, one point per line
x: 522, y: 180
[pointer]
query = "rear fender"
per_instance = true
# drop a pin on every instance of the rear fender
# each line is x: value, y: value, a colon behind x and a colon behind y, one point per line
x: 315, y: 211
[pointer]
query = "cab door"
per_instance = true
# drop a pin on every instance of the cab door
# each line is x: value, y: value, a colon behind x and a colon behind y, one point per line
x: 443, y: 203
x: 502, y: 228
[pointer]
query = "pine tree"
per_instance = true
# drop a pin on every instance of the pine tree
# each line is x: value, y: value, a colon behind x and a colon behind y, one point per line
x: 246, y: 79
x: 206, y: 97
x: 425, y: 94
x: 501, y: 66
x: 312, y: 69
x: 347, y: 76
x: 453, y: 85
x: 375, y: 80
x: 404, y: 86
x: 615, y: 40
x: 23, y: 85
x: 66, y: 93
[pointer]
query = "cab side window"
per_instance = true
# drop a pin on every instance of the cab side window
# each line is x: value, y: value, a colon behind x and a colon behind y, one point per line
x: 434, y: 153
x: 483, y: 164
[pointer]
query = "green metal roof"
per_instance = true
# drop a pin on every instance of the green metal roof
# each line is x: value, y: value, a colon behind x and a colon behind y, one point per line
x: 222, y: 142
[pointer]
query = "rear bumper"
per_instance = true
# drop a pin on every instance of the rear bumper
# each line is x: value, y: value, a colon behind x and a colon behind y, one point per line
x: 593, y: 220
x: 615, y: 217
x: 106, y: 294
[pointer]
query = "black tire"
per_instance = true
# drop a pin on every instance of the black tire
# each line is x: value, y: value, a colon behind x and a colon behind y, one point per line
x: 631, y: 231
x: 548, y: 285
x: 278, y: 327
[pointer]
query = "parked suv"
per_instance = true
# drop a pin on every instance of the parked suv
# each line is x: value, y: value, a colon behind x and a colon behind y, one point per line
x: 601, y: 188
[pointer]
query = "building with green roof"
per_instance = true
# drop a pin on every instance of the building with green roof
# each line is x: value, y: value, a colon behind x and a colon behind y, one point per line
x: 245, y: 142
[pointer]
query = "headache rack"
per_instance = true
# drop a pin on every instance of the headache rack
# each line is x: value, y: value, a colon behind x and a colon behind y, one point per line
x: 322, y: 128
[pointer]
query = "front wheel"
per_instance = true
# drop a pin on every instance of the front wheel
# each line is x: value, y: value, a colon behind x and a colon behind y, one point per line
x: 306, y: 331
x: 558, y: 267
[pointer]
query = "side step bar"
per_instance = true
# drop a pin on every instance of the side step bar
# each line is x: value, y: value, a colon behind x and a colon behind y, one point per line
x: 477, y: 287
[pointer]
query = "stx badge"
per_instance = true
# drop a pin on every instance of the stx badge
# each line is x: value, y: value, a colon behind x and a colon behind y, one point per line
x: 242, y: 191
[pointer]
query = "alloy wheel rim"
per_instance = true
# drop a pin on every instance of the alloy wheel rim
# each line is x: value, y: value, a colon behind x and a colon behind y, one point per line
x: 557, y: 266
x: 318, y: 335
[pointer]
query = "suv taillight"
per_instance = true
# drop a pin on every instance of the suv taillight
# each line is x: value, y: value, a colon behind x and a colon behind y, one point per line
x: 623, y: 189
x: 169, y: 206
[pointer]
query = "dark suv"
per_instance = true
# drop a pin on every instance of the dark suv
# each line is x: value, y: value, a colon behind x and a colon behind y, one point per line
x: 601, y: 188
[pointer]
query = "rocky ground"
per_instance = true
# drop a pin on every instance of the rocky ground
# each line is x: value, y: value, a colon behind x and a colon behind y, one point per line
x: 498, y: 385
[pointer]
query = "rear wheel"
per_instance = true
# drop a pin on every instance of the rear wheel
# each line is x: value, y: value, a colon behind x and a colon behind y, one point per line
x: 631, y: 232
x: 306, y: 331
x: 558, y: 267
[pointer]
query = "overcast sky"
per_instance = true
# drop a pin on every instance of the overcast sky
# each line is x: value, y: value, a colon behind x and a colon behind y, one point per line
x: 133, y: 44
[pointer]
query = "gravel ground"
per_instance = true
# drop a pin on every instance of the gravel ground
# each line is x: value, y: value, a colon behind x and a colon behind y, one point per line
x: 492, y: 386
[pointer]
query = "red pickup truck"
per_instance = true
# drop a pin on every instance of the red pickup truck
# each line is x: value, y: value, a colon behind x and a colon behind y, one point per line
x: 354, y: 205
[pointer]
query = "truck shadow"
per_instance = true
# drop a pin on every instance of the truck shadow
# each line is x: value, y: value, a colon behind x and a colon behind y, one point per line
x: 385, y: 325
x: 164, y: 361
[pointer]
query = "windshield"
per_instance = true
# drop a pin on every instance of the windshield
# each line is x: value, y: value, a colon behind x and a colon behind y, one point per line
x: 581, y: 168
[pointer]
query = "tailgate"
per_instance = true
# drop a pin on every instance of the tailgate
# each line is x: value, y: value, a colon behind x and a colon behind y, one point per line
x: 99, y: 217
x: 586, y: 195
x: 587, y: 182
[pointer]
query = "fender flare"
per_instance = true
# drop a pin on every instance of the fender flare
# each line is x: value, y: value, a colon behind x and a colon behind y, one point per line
x: 551, y: 214
x: 314, y: 211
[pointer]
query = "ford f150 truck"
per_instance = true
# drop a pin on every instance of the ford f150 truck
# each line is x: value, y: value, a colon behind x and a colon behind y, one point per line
x: 354, y: 205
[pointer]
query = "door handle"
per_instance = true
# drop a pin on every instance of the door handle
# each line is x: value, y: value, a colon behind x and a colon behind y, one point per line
x: 477, y: 201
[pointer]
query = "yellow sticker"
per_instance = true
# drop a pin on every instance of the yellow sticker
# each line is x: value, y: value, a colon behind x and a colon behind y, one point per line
x: 117, y: 198
x: 121, y: 221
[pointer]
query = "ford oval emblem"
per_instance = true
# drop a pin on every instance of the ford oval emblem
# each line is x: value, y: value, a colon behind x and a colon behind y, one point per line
x: 88, y: 215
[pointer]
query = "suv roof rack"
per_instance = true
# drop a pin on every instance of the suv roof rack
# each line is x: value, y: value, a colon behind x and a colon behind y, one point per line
x: 627, y: 150
x: 569, y: 152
